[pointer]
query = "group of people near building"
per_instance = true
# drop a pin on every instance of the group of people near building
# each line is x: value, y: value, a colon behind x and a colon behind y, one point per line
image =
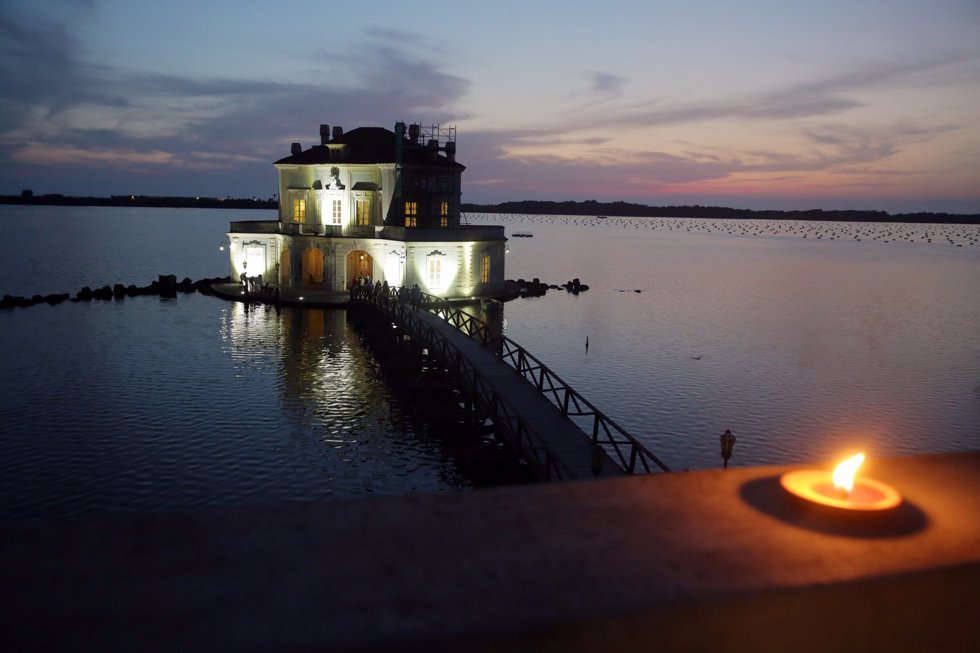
x: 252, y: 284
x: 413, y: 295
x: 362, y: 288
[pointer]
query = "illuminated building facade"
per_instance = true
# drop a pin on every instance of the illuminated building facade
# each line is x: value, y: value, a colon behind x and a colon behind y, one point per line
x: 372, y: 203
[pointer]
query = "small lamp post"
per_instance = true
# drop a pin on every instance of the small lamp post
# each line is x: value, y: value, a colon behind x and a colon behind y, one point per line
x: 727, y: 444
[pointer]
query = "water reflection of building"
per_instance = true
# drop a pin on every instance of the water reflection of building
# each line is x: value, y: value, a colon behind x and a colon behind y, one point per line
x: 322, y: 376
x: 341, y: 429
x: 372, y: 203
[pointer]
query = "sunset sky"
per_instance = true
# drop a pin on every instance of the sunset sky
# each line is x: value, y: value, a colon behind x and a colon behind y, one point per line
x: 866, y: 104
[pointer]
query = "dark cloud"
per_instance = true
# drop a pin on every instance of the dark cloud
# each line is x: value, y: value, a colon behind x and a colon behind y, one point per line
x: 167, y: 134
x: 38, y: 72
x: 617, y: 174
x: 825, y: 97
x: 607, y: 83
x: 609, y: 173
x: 148, y: 130
x: 604, y: 173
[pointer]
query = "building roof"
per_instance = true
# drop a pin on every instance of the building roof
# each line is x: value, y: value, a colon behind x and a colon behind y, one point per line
x: 370, y: 145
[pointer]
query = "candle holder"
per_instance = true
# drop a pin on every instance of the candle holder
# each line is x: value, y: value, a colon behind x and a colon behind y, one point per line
x: 840, y: 489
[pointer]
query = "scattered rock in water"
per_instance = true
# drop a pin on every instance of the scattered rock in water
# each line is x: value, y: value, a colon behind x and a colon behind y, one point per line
x: 533, y: 288
x: 168, y: 285
x: 11, y: 301
x: 56, y: 298
x: 537, y: 288
x: 104, y: 293
x: 575, y: 286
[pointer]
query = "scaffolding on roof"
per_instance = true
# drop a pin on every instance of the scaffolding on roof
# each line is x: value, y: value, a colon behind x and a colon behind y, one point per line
x: 422, y: 134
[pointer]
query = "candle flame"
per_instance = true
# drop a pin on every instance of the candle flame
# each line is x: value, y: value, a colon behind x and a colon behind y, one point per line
x: 844, y: 473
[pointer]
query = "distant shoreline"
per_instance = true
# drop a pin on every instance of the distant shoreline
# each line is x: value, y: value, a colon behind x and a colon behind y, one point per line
x: 533, y: 207
x: 626, y: 209
x: 142, y: 201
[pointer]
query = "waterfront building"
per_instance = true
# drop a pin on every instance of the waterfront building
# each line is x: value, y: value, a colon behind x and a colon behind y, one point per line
x: 372, y: 203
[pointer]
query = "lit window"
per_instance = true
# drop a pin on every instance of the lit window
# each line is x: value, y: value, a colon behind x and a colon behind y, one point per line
x: 299, y: 209
x: 335, y: 213
x: 411, y: 213
x: 363, y: 211
x: 485, y: 268
x: 444, y: 214
x: 435, y: 271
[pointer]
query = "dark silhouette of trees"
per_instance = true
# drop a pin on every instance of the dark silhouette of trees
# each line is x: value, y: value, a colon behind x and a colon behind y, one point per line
x: 628, y: 209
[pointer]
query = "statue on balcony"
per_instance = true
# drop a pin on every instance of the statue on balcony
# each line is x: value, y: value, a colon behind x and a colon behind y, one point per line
x: 334, y: 183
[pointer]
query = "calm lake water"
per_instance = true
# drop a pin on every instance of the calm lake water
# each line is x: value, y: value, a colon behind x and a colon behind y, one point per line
x: 804, y: 339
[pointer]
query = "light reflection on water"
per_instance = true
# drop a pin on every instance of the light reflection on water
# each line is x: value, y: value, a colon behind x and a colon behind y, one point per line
x: 802, y: 346
x: 146, y: 404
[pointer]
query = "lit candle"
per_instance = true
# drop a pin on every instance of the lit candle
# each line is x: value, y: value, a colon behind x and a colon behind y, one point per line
x: 841, y: 489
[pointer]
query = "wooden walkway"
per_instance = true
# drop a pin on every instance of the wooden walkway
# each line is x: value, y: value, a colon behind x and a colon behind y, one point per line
x: 521, y: 411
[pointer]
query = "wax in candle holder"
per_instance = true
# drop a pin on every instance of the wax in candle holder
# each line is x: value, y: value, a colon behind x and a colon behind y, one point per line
x: 841, y: 489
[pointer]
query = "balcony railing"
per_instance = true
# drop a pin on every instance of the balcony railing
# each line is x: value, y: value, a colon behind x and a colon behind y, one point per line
x: 455, y: 234
x: 255, y: 227
x: 466, y: 233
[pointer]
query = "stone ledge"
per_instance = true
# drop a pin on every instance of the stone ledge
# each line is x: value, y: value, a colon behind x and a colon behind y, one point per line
x: 685, y: 561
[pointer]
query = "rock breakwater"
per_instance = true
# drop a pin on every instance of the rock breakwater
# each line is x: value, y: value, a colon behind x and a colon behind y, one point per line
x: 166, y: 285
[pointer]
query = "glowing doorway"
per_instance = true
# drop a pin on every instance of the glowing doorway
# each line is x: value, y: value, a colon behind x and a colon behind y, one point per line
x: 284, y: 267
x: 359, y: 264
x: 313, y: 267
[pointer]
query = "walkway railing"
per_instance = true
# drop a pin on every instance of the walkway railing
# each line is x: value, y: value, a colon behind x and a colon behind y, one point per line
x: 624, y: 449
x: 512, y: 425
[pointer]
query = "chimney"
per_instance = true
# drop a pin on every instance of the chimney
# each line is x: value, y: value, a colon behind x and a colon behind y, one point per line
x: 413, y: 132
x: 295, y: 148
x: 324, y: 134
x: 338, y: 131
x: 451, y: 150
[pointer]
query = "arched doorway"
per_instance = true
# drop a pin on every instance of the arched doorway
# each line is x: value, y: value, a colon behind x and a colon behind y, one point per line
x: 284, y: 268
x: 312, y: 267
x: 359, y: 264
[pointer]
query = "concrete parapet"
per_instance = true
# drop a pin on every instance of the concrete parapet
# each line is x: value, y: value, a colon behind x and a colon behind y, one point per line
x: 707, y: 560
